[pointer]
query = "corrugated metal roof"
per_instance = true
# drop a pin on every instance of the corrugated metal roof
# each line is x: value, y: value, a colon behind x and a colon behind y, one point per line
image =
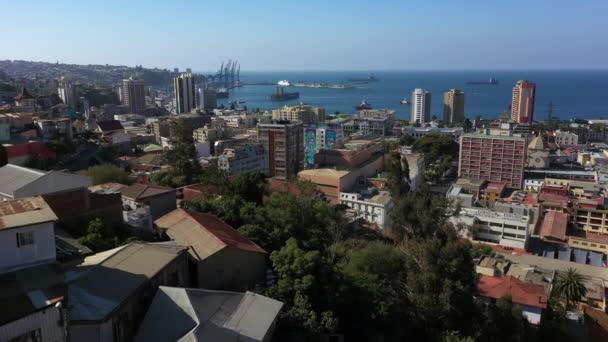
x: 14, y: 177
x: 25, y: 212
x: 206, y: 315
x: 206, y: 233
x: 140, y: 191
x: 97, y: 287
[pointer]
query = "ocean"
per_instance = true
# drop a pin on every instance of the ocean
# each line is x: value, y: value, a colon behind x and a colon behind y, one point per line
x: 574, y: 94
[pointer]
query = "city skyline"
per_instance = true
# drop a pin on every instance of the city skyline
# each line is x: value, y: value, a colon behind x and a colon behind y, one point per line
x: 315, y: 36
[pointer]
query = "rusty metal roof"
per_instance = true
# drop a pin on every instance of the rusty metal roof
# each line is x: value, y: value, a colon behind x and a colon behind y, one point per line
x: 25, y: 212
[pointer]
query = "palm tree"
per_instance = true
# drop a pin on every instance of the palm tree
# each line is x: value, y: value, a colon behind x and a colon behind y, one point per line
x: 571, y: 285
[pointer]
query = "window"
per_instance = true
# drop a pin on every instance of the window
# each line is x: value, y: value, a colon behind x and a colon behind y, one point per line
x: 25, y: 238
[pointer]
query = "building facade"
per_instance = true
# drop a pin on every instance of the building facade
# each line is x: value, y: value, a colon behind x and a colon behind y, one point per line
x: 373, y: 207
x: 522, y: 105
x: 246, y: 158
x: 185, y: 97
x: 208, y: 99
x: 133, y: 95
x: 565, y: 138
x: 322, y: 137
x: 304, y: 113
x: 493, y: 158
x: 453, y: 107
x: 67, y: 92
x: 284, y: 144
x: 421, y: 106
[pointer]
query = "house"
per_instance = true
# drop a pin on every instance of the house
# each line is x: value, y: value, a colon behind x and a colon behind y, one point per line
x: 531, y: 298
x: 26, y: 233
x: 206, y: 315
x: 53, y: 129
x: 109, y: 292
x: 161, y: 200
x: 19, y: 154
x: 112, y: 132
x: 18, y: 182
x: 32, y: 283
x: 224, y: 259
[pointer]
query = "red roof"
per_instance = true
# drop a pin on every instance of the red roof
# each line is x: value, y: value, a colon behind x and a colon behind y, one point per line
x: 222, y: 231
x: 521, y: 293
x: 546, y: 196
x: 554, y: 225
x: 495, y: 187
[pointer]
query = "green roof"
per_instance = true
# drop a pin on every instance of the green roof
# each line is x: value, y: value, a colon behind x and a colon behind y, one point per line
x: 152, y: 148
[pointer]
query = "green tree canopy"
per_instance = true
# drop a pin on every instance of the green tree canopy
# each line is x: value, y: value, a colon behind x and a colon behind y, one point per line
x: 571, y: 285
x: 107, y: 173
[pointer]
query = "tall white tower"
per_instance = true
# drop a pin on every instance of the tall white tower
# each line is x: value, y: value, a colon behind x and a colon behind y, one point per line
x: 421, y: 106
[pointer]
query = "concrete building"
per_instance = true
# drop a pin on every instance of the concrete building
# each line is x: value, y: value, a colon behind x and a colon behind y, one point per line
x: 352, y: 155
x: 223, y: 259
x: 415, y: 163
x: 505, y: 229
x: 19, y: 182
x: 206, y: 315
x: 67, y: 92
x: 522, y: 105
x: 321, y: 137
x: 421, y: 106
x: 284, y: 144
x: 419, y: 132
x: 387, y: 114
x: 208, y: 99
x: 304, y: 113
x: 110, y: 291
x: 216, y: 130
x: 453, y: 107
x: 565, y: 138
x: 133, y: 95
x: 493, y: 158
x: 185, y: 89
x: 245, y: 158
x: 52, y: 129
x: 373, y: 206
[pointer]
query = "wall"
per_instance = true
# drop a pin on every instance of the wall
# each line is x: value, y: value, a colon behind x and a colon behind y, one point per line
x: 46, y: 320
x: 43, y: 249
x: 231, y: 269
x: 162, y: 204
x: 91, y: 332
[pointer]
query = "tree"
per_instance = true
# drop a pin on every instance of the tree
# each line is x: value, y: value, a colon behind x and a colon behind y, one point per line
x: 107, y: 173
x: 98, y: 237
x: 502, y: 317
x: 398, y: 175
x: 250, y: 185
x: 571, y: 285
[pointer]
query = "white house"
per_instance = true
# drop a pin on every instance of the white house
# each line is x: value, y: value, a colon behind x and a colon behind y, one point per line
x: 29, y: 273
x: 506, y: 229
x: 18, y: 182
x: 372, y: 206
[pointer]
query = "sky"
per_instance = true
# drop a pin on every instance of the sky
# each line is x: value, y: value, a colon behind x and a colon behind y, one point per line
x: 310, y: 34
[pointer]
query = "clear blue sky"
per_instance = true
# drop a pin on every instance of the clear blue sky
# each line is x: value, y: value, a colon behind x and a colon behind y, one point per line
x: 310, y: 34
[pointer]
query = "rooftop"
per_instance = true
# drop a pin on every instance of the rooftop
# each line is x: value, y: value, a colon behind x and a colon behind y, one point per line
x: 521, y: 293
x: 325, y: 172
x: 206, y: 233
x: 554, y: 226
x: 13, y: 177
x: 206, y: 315
x: 25, y: 212
x: 103, y: 281
x: 142, y: 191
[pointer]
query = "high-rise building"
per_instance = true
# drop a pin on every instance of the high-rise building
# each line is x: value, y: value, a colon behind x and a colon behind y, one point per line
x: 305, y: 113
x: 185, y: 93
x: 421, y: 106
x: 498, y: 158
x: 133, y: 95
x: 522, y: 105
x: 453, y: 107
x: 67, y: 92
x: 283, y: 142
x: 208, y: 98
x: 321, y: 137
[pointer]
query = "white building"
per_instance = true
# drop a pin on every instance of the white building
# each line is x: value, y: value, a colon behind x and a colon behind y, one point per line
x: 372, y: 206
x: 421, y: 106
x: 565, y: 138
x: 506, y: 229
x: 30, y: 275
x: 419, y: 132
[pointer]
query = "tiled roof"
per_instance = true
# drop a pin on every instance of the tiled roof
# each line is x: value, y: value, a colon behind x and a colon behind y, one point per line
x: 554, y: 226
x: 520, y: 292
x: 141, y: 191
x: 189, y: 227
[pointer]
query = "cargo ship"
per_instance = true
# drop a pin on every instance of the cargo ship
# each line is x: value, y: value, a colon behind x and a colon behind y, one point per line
x: 370, y: 78
x: 491, y: 81
x: 363, y: 105
x: 222, y: 93
x: 282, y: 95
